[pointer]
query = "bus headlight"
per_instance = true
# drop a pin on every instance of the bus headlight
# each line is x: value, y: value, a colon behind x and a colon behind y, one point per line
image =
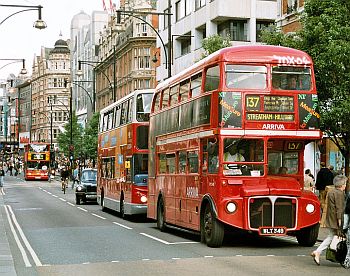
x: 231, y: 207
x: 310, y: 208
x: 143, y: 199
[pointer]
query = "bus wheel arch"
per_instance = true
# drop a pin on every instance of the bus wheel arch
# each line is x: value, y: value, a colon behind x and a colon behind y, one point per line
x: 211, y: 229
x: 160, y: 213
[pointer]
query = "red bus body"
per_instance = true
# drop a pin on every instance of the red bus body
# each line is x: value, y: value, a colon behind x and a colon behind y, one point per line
x: 123, y: 154
x: 36, y: 161
x: 192, y: 185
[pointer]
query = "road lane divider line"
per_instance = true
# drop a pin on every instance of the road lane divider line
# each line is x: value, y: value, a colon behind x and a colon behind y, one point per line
x: 97, y: 216
x: 49, y: 193
x: 24, y: 238
x: 55, y: 196
x: 19, y: 244
x: 82, y: 209
x: 2, y: 191
x: 62, y: 199
x: 154, y: 238
x: 71, y: 204
x: 122, y: 225
x: 146, y: 259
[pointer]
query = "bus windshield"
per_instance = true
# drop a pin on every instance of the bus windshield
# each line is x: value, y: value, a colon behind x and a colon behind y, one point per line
x: 246, y: 76
x: 143, y: 107
x: 37, y: 165
x: 291, y: 78
x: 243, y: 157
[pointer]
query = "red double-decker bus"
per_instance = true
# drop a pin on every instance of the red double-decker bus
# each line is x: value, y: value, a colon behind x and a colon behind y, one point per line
x: 36, y: 161
x: 227, y: 140
x: 122, y: 161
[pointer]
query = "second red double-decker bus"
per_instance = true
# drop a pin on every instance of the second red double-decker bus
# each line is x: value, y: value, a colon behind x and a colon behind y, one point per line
x: 36, y: 161
x: 123, y: 154
x: 227, y: 140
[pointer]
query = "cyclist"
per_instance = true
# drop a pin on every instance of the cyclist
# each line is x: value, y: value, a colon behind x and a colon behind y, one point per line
x: 64, y: 177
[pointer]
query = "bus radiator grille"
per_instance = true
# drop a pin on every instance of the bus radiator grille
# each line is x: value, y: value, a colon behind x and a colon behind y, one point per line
x: 261, y: 212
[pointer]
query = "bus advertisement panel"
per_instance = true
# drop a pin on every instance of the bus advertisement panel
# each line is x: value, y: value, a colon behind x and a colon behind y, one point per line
x: 123, y: 154
x: 227, y: 139
x: 36, y: 161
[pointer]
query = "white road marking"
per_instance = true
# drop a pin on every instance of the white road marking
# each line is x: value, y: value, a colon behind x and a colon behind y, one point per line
x: 176, y: 258
x: 27, y: 244
x: 97, y: 216
x: 115, y: 261
x: 19, y: 244
x: 122, y: 225
x: 62, y: 199
x: 146, y: 259
x: 165, y: 242
x: 208, y: 256
x: 55, y: 196
x: 82, y: 209
x: 71, y: 204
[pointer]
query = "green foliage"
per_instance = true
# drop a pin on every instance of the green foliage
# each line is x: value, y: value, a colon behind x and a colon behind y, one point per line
x: 325, y: 36
x: 63, y: 138
x: 213, y: 43
x: 90, y: 137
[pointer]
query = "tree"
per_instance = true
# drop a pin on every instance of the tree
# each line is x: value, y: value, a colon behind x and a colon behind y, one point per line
x: 325, y: 36
x: 213, y: 43
x: 63, y: 138
x: 90, y: 137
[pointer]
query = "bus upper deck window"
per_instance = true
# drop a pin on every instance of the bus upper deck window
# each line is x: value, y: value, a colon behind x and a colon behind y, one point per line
x: 246, y: 76
x: 291, y: 78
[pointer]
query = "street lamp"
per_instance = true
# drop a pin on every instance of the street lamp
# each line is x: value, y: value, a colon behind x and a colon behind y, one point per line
x: 38, y: 24
x: 15, y: 60
x: 71, y: 147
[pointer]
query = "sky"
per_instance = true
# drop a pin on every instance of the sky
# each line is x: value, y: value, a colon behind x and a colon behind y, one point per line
x: 18, y: 38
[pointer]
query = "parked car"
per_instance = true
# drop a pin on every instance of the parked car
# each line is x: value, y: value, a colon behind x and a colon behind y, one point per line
x: 87, y: 186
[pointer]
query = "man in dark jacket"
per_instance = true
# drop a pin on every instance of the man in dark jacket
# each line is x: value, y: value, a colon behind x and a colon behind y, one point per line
x: 324, y: 178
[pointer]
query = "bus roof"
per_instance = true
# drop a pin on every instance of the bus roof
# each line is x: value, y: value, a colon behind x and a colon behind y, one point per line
x: 245, y: 54
x: 130, y: 95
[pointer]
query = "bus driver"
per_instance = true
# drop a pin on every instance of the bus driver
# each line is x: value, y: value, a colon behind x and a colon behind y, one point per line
x: 232, y: 154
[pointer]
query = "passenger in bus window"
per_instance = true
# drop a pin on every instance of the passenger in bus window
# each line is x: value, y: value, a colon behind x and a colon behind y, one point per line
x: 233, y: 154
x: 213, y: 157
x: 292, y: 82
x: 283, y: 170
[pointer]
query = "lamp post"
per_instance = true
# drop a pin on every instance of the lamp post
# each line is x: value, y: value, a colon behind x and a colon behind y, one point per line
x: 71, y: 146
x: 92, y: 100
x: 38, y: 24
x: 92, y: 63
x: 15, y: 60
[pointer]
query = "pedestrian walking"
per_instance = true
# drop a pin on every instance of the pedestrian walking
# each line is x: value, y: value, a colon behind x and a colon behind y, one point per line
x: 2, y: 174
x: 334, y: 215
x: 309, y: 183
x: 324, y: 178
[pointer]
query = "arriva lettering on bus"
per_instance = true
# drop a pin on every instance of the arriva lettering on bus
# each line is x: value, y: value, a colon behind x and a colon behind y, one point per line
x: 273, y: 126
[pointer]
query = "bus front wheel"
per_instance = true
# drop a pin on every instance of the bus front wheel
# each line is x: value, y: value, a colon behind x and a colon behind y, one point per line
x: 308, y: 236
x: 160, y: 215
x: 213, y: 230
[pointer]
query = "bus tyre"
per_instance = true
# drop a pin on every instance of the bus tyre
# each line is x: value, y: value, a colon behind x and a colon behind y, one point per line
x: 103, y: 203
x: 122, y: 208
x: 213, y: 230
x: 308, y: 236
x: 160, y: 215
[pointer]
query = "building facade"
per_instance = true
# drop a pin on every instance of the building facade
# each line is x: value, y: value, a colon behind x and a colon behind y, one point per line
x: 125, y: 52
x: 288, y: 18
x: 85, y: 33
x: 192, y: 21
x: 50, y: 97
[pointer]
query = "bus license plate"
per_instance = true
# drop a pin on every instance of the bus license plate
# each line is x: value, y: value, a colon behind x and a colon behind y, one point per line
x: 266, y: 231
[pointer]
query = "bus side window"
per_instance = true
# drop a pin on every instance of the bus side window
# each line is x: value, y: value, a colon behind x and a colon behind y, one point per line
x: 212, y: 78
x: 165, y: 100
x: 182, y: 161
x: 170, y: 163
x: 174, y: 95
x: 193, y: 161
x: 184, y: 89
x: 162, y: 163
x: 196, y: 84
x: 157, y: 102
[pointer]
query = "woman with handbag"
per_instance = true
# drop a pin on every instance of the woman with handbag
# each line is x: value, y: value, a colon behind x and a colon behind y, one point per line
x: 334, y: 215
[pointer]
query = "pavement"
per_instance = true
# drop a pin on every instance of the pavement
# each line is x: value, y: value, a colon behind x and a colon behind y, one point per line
x: 6, y: 260
x: 7, y: 266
